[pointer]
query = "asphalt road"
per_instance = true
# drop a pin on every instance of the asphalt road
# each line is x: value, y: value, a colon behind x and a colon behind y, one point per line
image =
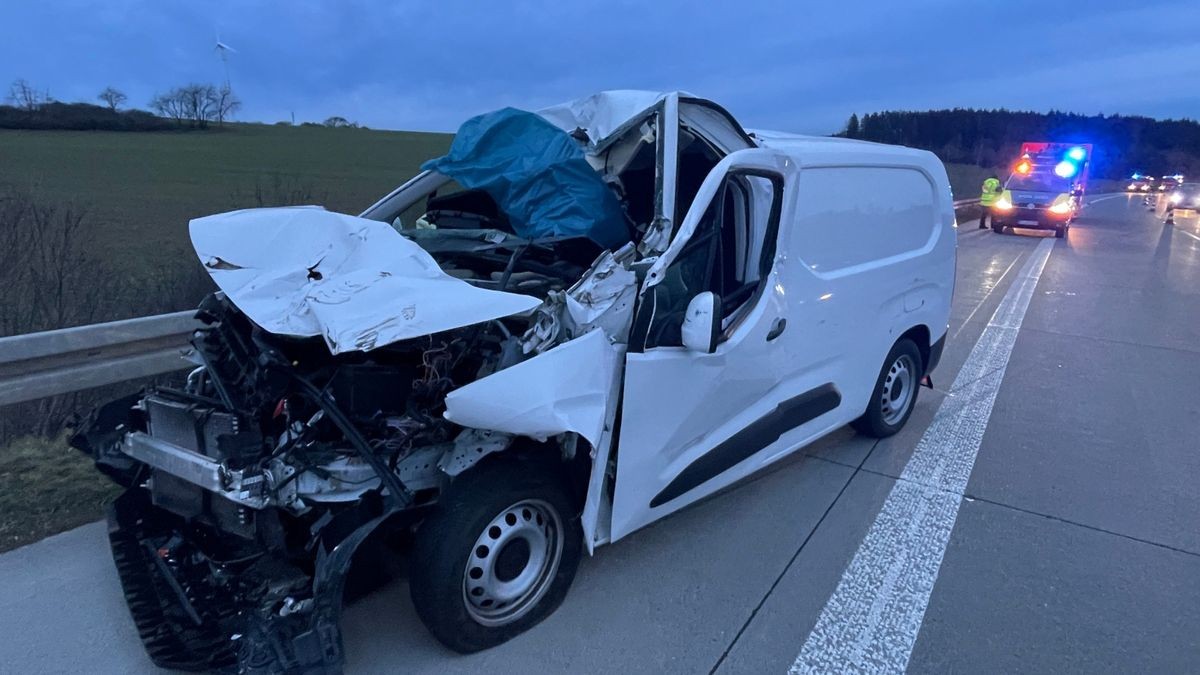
x: 1073, y: 547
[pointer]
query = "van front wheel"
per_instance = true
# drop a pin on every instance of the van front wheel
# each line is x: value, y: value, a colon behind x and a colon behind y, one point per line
x: 895, y: 392
x: 496, y: 556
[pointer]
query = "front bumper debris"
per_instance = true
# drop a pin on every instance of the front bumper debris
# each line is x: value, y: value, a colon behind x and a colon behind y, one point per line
x: 198, y: 612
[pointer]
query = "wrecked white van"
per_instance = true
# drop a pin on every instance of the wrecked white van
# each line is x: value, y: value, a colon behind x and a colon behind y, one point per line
x: 575, y: 323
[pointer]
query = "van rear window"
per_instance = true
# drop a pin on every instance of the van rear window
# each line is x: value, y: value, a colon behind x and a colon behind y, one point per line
x: 849, y: 216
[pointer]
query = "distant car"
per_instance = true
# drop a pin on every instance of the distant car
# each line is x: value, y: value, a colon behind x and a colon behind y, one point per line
x: 1138, y: 186
x: 1169, y: 182
x: 1183, y: 201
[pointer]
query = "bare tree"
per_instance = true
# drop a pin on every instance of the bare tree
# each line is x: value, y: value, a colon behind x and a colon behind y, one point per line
x: 168, y: 105
x: 339, y: 122
x: 191, y: 103
x: 225, y: 103
x: 25, y: 96
x: 112, y: 98
x: 197, y: 104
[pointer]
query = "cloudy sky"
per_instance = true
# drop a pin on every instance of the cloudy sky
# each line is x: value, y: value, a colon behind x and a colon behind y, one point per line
x: 799, y: 65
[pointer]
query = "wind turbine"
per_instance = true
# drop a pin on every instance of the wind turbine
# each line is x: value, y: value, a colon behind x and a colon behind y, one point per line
x: 223, y: 50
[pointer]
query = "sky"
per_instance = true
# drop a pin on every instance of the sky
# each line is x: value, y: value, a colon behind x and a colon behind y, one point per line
x: 797, y: 66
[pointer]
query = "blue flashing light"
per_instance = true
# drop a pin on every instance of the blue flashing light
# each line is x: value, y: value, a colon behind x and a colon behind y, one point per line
x: 1065, y: 169
x: 1137, y: 176
x: 1077, y: 154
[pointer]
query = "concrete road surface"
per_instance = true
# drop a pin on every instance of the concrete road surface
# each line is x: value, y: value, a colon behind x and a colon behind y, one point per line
x: 1068, y: 539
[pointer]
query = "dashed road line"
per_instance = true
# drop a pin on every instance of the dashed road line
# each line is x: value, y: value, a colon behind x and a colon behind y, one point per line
x: 1188, y: 234
x: 871, y: 621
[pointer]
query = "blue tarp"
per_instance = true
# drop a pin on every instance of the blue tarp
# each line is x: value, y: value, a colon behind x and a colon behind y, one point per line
x: 538, y: 176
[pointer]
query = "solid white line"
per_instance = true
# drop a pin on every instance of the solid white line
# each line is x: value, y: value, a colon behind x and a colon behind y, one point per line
x: 871, y: 621
x: 985, y: 298
x: 1188, y: 234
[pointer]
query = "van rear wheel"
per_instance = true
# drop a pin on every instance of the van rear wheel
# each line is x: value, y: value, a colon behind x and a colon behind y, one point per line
x: 496, y: 556
x: 895, y: 392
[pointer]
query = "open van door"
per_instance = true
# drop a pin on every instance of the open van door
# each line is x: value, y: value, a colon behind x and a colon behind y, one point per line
x: 710, y: 392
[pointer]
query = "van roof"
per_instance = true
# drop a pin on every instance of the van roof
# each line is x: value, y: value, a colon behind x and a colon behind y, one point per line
x: 810, y: 151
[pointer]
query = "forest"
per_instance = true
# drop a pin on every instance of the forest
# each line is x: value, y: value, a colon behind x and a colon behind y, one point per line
x: 1122, y: 145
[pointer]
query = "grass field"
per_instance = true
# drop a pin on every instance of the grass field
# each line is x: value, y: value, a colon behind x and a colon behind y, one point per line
x: 141, y: 188
x: 47, y: 487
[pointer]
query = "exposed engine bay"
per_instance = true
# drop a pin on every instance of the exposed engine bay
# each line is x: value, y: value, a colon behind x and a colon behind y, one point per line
x: 347, y: 372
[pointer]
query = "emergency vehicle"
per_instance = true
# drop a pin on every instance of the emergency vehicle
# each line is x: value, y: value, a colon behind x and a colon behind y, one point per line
x: 1045, y: 189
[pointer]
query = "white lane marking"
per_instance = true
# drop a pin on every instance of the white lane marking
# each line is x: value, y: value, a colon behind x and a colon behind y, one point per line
x: 1188, y: 234
x: 987, y: 295
x: 871, y: 621
x: 1100, y: 199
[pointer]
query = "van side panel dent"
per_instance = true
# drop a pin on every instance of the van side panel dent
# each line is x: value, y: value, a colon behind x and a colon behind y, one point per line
x: 568, y: 388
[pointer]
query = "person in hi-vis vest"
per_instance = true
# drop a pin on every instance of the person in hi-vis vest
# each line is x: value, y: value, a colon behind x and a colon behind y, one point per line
x: 988, y: 197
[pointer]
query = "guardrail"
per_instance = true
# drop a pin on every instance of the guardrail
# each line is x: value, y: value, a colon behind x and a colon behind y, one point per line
x: 37, y: 365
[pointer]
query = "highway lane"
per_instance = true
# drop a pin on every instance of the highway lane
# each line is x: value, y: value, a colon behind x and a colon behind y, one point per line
x: 1075, y: 548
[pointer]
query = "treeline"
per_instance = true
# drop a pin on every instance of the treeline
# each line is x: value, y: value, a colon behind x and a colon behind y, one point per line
x: 191, y: 106
x: 81, y: 117
x: 992, y: 138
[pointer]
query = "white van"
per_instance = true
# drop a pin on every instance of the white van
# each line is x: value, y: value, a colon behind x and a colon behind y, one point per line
x: 535, y: 347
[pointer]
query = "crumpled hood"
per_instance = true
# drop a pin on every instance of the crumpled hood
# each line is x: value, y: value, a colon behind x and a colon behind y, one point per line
x: 304, y: 271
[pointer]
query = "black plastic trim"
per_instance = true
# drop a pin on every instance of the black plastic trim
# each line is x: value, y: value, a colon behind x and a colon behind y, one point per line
x: 935, y: 354
x: 758, y: 435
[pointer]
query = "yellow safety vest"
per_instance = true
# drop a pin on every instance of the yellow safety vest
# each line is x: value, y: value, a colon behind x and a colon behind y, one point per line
x: 991, y: 192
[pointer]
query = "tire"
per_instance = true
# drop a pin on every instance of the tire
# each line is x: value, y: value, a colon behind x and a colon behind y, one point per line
x: 903, y: 367
x: 1060, y: 231
x: 998, y: 229
x: 527, y: 508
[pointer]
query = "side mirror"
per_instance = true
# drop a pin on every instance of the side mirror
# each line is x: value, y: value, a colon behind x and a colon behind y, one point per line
x: 702, y: 323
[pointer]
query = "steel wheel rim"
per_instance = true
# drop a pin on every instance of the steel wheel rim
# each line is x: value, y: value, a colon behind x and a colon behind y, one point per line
x: 899, y: 387
x: 513, y: 563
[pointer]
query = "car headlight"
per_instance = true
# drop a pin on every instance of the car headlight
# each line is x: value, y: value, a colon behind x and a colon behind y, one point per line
x: 1145, y: 188
x: 1002, y: 204
x: 1061, y: 208
x: 1131, y: 187
x: 1176, y: 198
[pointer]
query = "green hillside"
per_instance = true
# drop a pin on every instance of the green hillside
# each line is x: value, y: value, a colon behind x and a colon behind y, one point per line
x: 140, y: 189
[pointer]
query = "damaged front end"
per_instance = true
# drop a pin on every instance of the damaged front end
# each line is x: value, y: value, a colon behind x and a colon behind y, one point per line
x: 251, y: 488
x: 352, y: 372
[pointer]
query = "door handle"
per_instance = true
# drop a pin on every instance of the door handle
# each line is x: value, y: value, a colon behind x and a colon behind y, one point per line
x: 777, y: 328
